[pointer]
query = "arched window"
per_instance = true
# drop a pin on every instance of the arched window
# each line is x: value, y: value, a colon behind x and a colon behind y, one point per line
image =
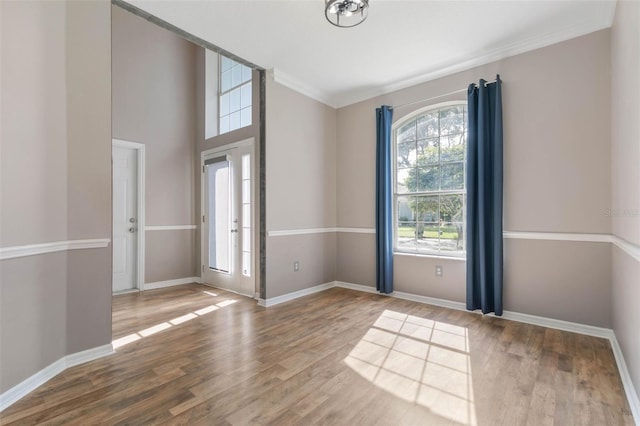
x: 430, y: 192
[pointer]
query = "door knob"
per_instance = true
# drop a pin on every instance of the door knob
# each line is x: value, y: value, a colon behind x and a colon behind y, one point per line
x: 234, y: 230
x: 132, y: 219
x: 132, y: 230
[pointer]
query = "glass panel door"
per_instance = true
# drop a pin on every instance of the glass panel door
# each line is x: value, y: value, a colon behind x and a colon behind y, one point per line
x: 228, y: 226
x: 219, y: 215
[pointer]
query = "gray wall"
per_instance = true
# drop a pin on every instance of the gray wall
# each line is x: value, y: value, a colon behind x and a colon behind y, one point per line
x: 154, y: 103
x: 625, y: 175
x: 56, y: 113
x: 88, y: 52
x: 557, y: 179
x: 301, y: 188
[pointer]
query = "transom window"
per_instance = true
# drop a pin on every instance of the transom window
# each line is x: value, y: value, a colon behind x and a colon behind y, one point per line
x: 235, y: 95
x: 430, y: 193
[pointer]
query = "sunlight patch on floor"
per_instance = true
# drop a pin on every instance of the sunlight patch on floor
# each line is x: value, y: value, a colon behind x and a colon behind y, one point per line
x: 118, y: 343
x: 421, y: 361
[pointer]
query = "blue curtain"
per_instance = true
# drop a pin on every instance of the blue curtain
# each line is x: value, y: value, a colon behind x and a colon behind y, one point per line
x: 484, y: 198
x: 384, y: 201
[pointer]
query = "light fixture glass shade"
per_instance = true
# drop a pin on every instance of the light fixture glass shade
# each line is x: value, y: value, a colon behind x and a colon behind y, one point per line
x: 346, y: 13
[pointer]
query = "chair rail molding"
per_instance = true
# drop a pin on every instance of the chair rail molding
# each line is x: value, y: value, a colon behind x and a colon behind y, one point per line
x: 52, y: 247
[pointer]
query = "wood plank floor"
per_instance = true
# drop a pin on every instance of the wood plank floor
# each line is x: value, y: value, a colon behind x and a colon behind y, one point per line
x: 198, y: 355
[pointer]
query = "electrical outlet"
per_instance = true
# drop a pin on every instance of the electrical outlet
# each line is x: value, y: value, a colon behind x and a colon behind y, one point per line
x: 296, y: 266
x: 438, y: 270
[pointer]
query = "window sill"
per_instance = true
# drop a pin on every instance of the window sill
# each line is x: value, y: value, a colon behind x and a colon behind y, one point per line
x: 432, y: 256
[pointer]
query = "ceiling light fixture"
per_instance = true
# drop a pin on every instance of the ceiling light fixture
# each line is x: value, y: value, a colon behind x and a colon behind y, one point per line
x: 346, y: 13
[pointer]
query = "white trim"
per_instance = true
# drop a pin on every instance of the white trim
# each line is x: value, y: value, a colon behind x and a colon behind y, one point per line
x: 288, y: 232
x: 41, y: 377
x: 357, y: 230
x: 294, y: 295
x: 305, y: 231
x: 140, y: 202
x: 573, y: 327
x: 297, y: 86
x: 357, y: 287
x: 630, y: 248
x: 35, y: 249
x: 557, y: 236
x: 171, y: 283
x: 627, y: 384
x: 169, y: 227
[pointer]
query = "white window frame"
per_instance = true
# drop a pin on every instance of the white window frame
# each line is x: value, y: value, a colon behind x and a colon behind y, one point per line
x: 231, y: 88
x: 396, y: 125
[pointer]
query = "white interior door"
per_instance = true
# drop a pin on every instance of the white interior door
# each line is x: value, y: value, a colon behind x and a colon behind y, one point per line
x: 228, y: 219
x: 125, y: 218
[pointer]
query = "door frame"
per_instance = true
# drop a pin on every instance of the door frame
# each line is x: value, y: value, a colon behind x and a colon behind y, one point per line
x: 140, y: 197
x: 249, y: 142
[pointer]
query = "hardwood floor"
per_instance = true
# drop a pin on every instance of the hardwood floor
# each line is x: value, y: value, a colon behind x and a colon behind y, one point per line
x: 198, y: 355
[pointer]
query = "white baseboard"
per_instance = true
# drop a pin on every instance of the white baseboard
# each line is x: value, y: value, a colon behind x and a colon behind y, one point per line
x: 294, y: 295
x: 629, y: 389
x: 41, y: 377
x: 357, y: 287
x: 171, y: 283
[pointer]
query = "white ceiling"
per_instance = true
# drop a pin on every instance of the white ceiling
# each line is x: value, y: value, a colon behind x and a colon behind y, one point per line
x: 400, y: 44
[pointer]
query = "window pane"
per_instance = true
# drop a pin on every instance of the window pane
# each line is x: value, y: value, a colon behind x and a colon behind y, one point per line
x: 246, y: 73
x: 451, y: 208
x: 452, y: 148
x: 407, y: 132
x: 246, y: 215
x: 224, y: 104
x: 234, y: 120
x: 428, y: 152
x: 452, y: 237
x: 451, y: 120
x: 246, y: 166
x: 246, y: 264
x: 245, y: 95
x: 406, y: 154
x: 234, y: 100
x: 236, y: 75
x: 428, y: 178
x: 245, y: 117
x: 246, y: 191
x: 428, y: 125
x: 225, y: 82
x: 452, y: 176
x: 401, y: 180
x: 224, y: 124
x: 218, y: 214
x: 226, y: 63
x: 406, y: 209
x: 246, y: 239
x: 427, y: 208
x: 407, y: 236
x: 427, y: 237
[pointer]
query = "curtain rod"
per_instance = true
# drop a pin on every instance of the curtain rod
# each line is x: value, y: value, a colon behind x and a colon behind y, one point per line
x: 437, y: 97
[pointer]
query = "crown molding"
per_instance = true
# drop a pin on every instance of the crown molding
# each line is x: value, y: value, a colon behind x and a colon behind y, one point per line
x: 296, y: 85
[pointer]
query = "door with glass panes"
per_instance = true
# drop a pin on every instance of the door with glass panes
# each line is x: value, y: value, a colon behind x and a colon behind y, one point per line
x: 227, y: 218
